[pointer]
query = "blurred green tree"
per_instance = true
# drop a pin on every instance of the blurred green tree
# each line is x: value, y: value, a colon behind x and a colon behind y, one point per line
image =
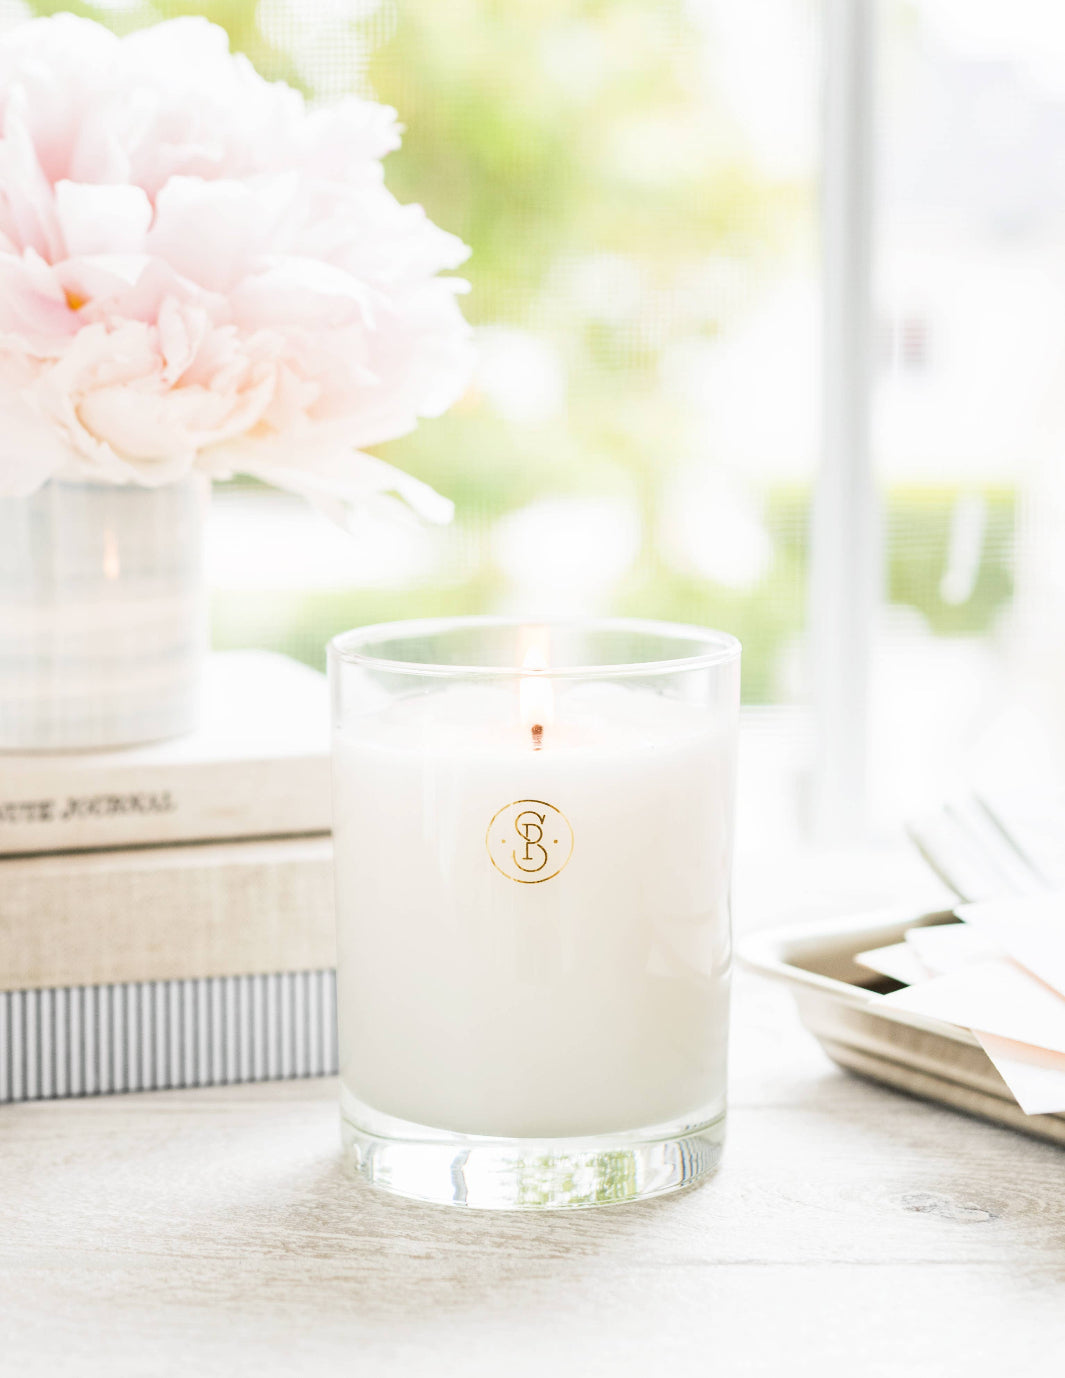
x: 564, y: 139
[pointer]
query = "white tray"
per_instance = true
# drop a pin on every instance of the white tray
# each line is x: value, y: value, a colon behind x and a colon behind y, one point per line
x: 837, y: 1001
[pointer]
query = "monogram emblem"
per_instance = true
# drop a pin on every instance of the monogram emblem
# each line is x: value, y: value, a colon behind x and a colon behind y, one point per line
x: 529, y: 841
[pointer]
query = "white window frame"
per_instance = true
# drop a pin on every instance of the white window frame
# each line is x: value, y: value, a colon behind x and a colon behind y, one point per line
x: 845, y: 545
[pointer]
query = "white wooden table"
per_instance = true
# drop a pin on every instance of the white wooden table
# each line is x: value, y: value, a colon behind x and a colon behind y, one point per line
x: 851, y: 1231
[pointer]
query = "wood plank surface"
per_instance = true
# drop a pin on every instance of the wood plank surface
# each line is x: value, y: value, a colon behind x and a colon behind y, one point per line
x: 851, y: 1231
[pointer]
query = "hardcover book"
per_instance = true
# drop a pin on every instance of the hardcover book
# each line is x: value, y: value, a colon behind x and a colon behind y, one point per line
x: 258, y: 766
x: 158, y: 967
x: 160, y: 1035
x: 166, y: 913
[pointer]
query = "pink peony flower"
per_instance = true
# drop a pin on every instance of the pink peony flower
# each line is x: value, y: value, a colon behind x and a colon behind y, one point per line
x: 198, y: 271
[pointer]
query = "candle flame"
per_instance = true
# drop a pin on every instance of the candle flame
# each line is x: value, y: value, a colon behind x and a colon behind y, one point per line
x: 536, y: 696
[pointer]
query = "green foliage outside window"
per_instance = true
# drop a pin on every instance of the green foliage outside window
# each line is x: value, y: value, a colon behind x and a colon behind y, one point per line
x: 534, y: 167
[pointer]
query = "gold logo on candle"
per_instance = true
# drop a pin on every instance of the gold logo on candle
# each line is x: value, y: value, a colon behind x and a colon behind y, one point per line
x: 529, y: 841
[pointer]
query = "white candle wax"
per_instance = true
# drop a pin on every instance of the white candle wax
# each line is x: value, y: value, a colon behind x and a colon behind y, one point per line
x: 534, y: 942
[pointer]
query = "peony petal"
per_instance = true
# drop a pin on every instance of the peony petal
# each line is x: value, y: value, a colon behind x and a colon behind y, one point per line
x: 102, y: 220
x: 206, y: 231
x: 347, y: 139
x: 327, y: 474
x: 34, y: 314
x: 212, y: 232
x: 27, y: 206
x: 148, y: 426
x: 195, y: 269
x: 31, y: 450
x: 131, y: 287
x: 301, y: 292
x: 189, y: 42
x: 57, y: 72
x: 182, y: 332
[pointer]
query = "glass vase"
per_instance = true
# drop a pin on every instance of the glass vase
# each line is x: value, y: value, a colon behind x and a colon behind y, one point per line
x: 102, y: 614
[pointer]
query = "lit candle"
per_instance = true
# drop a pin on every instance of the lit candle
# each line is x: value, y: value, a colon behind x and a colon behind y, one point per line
x: 532, y: 879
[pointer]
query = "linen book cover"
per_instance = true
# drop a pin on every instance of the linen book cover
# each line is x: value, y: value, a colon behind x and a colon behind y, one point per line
x: 166, y: 913
x: 258, y: 766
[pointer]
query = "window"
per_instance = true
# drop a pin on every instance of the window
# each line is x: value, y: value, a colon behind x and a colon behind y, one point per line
x: 967, y: 437
x: 652, y: 429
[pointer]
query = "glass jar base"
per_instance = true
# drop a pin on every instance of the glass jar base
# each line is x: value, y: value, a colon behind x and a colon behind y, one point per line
x: 532, y: 1174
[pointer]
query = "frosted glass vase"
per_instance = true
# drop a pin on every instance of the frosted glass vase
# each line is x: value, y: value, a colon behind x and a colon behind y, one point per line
x: 102, y: 614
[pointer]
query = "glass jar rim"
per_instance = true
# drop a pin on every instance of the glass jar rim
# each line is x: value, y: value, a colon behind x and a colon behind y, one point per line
x: 717, y: 648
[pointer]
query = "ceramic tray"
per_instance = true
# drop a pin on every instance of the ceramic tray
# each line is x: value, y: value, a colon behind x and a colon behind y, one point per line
x: 837, y: 1003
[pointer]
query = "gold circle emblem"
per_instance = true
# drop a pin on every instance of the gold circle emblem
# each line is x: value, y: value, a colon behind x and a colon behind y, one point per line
x: 529, y: 841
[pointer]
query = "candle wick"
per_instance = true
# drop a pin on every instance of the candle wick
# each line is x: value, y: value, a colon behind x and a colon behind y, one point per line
x: 537, y: 736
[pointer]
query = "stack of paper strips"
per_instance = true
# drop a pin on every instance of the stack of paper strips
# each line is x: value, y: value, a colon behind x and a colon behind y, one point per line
x: 166, y: 912
x: 999, y: 972
x: 996, y: 842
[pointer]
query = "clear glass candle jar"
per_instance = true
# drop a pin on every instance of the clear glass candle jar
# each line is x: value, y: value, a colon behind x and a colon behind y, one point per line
x: 533, y: 831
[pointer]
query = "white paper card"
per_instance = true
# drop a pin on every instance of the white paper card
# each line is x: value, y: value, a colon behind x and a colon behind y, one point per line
x: 899, y: 961
x: 994, y: 997
x: 1035, y: 1076
x: 1032, y: 931
x: 945, y: 947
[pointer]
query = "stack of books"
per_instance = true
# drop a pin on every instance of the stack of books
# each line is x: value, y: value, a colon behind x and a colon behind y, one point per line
x: 166, y: 912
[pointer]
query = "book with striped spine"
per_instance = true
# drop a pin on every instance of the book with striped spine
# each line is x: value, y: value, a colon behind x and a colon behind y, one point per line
x: 161, y: 967
x: 161, y: 1035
